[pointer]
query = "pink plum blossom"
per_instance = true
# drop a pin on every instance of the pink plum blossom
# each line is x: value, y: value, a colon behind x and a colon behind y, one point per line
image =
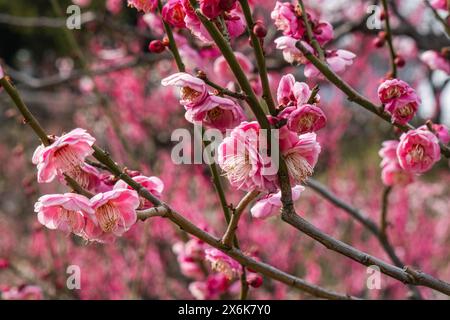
x: 291, y: 92
x: 143, y: 5
x: 400, y: 100
x: 193, y: 90
x: 65, y: 155
x: 439, y: 4
x: 303, y: 119
x: 300, y: 154
x: 173, y: 13
x: 153, y: 184
x: 418, y: 151
x: 270, y: 204
x: 115, y: 213
x: 338, y: 61
x: 245, y: 165
x: 290, y: 52
x: 391, y: 172
x: 222, y: 263
x: 216, y: 112
x: 286, y: 20
x: 66, y: 212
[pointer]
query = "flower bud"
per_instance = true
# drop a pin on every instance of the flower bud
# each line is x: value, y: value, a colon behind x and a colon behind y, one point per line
x: 156, y: 46
x: 259, y: 29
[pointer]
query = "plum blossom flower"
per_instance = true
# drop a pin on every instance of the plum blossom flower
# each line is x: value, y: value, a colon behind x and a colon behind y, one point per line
x: 115, y: 213
x: 193, y: 90
x: 303, y: 119
x: 65, y: 155
x: 66, y: 212
x: 143, y: 5
x: 400, y: 100
x: 418, y: 151
x: 270, y: 204
x: 286, y: 20
x: 26, y: 292
x: 391, y: 172
x: 173, y: 13
x: 435, y: 61
x: 300, y: 154
x: 216, y: 112
x: 243, y: 161
x: 153, y: 184
x: 338, y: 61
x: 222, y: 263
x: 323, y: 32
x: 291, y: 92
x: 290, y: 52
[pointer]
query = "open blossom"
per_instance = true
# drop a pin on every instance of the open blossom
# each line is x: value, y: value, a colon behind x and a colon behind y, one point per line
x: 418, y: 151
x: 66, y: 212
x: 173, y: 13
x: 245, y: 164
x: 27, y: 292
x: 65, y: 155
x: 193, y: 90
x: 290, y: 52
x: 323, y: 32
x: 286, y: 20
x: 400, y: 100
x: 222, y: 263
x: 300, y: 152
x: 435, y: 61
x: 338, y: 61
x: 143, y: 5
x: 291, y: 92
x: 271, y: 204
x: 391, y: 171
x: 115, y: 213
x: 153, y: 184
x: 305, y: 118
x: 216, y: 112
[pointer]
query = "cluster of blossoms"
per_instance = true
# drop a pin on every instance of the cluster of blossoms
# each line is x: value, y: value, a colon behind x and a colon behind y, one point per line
x: 416, y: 152
x: 110, y: 212
x: 181, y: 14
x: 288, y: 18
x: 201, y: 106
x: 399, y: 99
x: 192, y: 257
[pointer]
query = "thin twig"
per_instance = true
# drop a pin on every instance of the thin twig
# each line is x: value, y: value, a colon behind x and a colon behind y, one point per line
x: 389, y: 38
x: 228, y: 237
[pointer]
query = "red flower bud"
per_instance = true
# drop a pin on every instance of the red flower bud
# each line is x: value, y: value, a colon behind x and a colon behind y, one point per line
x: 156, y: 46
x: 399, y: 61
x: 259, y: 29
